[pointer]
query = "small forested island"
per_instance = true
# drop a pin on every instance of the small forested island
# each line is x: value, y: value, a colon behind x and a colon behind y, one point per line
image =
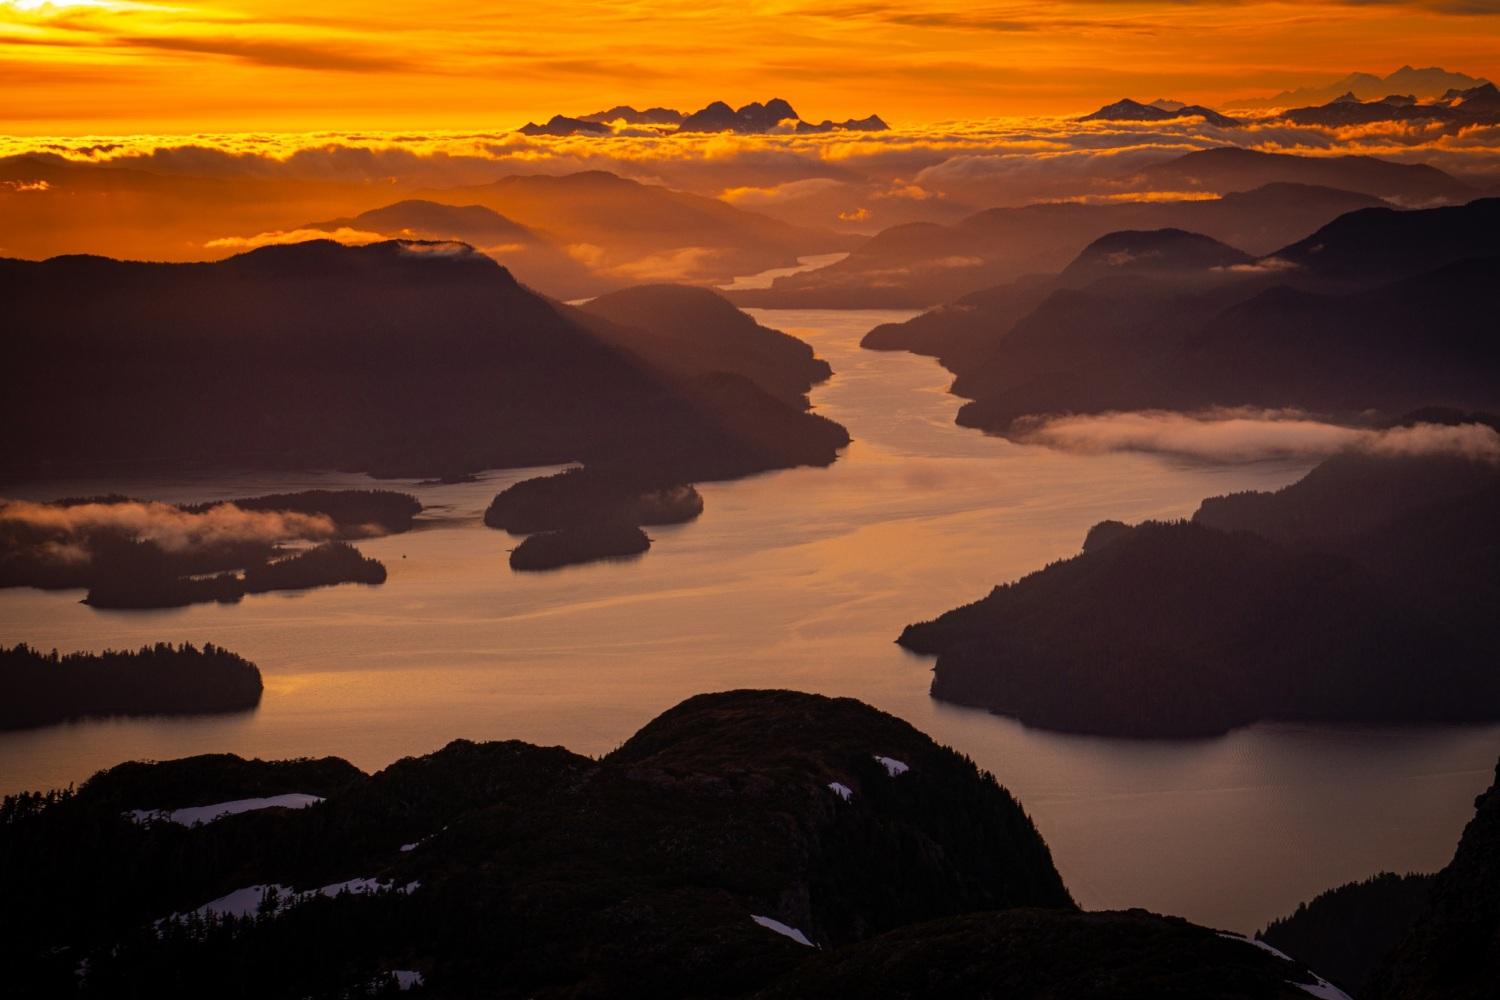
x: 582, y: 515
x: 38, y: 689
x: 1311, y: 603
x: 569, y: 546
x: 144, y: 554
x: 578, y: 497
x: 761, y: 844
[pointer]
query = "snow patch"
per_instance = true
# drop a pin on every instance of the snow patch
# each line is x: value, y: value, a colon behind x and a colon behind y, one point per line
x: 840, y: 789
x: 893, y: 767
x: 1322, y: 989
x: 198, y: 815
x: 784, y: 930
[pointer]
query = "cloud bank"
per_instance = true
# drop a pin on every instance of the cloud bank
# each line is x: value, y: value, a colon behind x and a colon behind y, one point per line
x: 170, y: 527
x: 1250, y: 435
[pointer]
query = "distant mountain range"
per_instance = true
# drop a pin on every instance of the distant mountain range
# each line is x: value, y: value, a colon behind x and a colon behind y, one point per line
x: 921, y: 264
x: 625, y: 232
x: 1253, y: 201
x: 1231, y: 168
x: 1429, y: 82
x: 750, y: 119
x: 1478, y: 105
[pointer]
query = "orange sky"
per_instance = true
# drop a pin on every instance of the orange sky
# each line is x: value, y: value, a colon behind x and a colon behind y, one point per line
x: 72, y: 67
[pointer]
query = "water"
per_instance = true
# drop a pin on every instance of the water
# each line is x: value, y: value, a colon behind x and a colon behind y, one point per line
x: 797, y: 579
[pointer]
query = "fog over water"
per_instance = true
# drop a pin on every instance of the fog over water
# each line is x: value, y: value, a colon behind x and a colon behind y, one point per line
x: 798, y: 579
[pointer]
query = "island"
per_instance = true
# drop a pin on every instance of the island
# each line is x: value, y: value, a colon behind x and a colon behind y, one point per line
x: 39, y: 689
x: 570, y: 546
x: 145, y: 554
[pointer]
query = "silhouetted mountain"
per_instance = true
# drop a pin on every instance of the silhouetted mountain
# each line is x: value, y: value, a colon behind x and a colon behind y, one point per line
x: 417, y: 219
x: 632, y: 232
x: 394, y: 357
x: 1379, y: 244
x: 38, y: 689
x: 561, y: 125
x: 629, y: 115
x: 964, y: 334
x: 921, y: 264
x: 1183, y: 630
x: 664, y: 868
x: 874, y: 123
x: 1452, y: 950
x: 1379, y: 310
x: 753, y: 117
x: 1230, y: 168
x: 1347, y: 933
x: 1131, y: 254
x: 1429, y: 82
x: 695, y: 331
x: 531, y: 257
x: 1127, y: 110
x: 1317, y: 506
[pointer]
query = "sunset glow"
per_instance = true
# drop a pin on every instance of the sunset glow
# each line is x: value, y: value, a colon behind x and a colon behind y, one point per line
x: 89, y: 66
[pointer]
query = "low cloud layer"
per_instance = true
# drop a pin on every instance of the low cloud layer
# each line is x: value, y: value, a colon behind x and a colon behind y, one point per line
x: 172, y: 528
x: 1250, y: 435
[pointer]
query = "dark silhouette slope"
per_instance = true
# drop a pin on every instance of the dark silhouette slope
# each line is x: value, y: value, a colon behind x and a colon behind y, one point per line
x: 695, y: 331
x: 533, y: 258
x: 1377, y: 310
x: 545, y: 872
x: 412, y: 358
x: 1183, y: 629
x: 1453, y: 948
x: 1026, y: 954
x: 1126, y: 110
x: 1346, y: 933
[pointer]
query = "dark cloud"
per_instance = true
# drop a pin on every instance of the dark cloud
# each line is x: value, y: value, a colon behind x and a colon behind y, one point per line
x: 289, y: 55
